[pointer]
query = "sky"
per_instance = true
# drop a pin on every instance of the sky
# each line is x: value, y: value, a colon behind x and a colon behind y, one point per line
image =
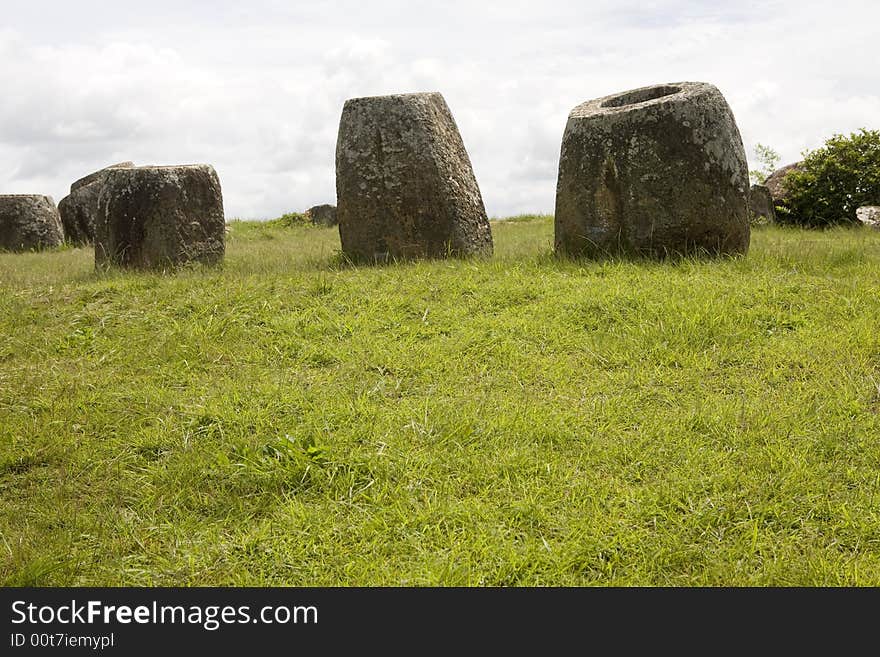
x: 256, y: 88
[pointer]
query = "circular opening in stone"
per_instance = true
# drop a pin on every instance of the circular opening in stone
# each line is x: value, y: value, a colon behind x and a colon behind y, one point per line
x: 640, y: 96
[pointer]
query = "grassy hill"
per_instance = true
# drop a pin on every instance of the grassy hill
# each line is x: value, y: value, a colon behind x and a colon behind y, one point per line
x: 284, y: 420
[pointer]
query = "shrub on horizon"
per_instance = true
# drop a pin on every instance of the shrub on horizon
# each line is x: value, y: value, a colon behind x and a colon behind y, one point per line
x: 290, y: 219
x: 833, y: 182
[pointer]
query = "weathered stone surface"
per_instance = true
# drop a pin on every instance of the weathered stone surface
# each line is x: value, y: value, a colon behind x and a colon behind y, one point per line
x: 322, y: 215
x: 776, y: 181
x: 29, y: 222
x: 761, y: 205
x: 404, y: 183
x: 869, y: 215
x: 655, y: 171
x: 92, y: 177
x: 155, y: 217
x: 78, y: 209
x: 77, y: 212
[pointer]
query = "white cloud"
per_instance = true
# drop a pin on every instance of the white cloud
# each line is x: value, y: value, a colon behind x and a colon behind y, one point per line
x: 257, y: 89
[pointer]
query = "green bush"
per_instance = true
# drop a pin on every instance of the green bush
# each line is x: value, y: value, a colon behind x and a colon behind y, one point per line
x: 288, y: 220
x: 834, y: 181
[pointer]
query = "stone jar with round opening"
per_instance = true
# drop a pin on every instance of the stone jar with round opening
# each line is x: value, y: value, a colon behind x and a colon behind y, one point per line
x: 658, y: 171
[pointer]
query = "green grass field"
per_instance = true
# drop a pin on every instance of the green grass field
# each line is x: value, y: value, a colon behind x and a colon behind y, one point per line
x: 284, y: 420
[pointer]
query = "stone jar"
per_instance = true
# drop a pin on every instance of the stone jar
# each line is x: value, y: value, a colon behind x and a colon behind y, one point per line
x: 404, y: 183
x: 761, y: 208
x: 29, y: 222
x: 776, y: 184
x: 657, y: 171
x: 158, y: 217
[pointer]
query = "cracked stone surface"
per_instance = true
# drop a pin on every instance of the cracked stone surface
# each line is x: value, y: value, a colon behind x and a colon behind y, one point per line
x: 761, y: 205
x: 29, y: 222
x: 79, y: 207
x: 657, y: 171
x: 157, y: 217
x: 404, y: 183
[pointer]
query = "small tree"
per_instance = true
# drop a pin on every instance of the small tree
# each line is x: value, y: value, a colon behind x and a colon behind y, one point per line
x: 768, y: 159
x: 834, y: 181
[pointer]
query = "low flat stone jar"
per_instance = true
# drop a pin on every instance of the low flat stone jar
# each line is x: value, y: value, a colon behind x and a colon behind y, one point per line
x: 157, y: 217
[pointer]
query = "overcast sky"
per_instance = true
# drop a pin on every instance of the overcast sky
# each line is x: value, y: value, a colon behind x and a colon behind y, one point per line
x: 256, y: 87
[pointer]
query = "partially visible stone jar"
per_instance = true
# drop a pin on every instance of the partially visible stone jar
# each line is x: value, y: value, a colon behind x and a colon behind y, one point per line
x: 761, y: 208
x: 869, y: 215
x: 775, y: 182
x: 78, y: 209
x: 322, y: 215
x: 29, y: 222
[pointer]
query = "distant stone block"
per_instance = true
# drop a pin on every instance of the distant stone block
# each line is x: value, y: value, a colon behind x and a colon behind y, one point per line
x: 156, y: 217
x: 322, y: 215
x: 761, y: 205
x: 869, y: 215
x: 404, y: 183
x: 29, y: 222
x: 655, y: 171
